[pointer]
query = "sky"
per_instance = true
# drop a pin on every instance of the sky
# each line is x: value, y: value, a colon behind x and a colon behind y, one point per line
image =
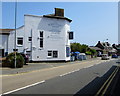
x: 91, y: 21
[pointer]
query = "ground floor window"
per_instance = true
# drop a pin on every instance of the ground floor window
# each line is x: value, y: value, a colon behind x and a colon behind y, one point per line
x: 20, y: 41
x: 49, y: 53
x: 67, y: 51
x: 53, y: 54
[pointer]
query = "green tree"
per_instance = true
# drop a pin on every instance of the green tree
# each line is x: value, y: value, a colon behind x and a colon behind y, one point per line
x: 83, y: 48
x: 75, y: 47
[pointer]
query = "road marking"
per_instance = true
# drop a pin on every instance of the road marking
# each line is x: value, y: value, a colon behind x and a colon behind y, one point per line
x: 75, y: 71
x: 24, y: 87
x: 107, y: 83
x: 64, y: 74
x: 88, y: 66
x: 70, y: 72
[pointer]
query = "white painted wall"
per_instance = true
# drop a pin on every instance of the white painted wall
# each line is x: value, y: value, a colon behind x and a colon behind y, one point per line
x: 11, y: 40
x: 55, y: 37
x: 4, y: 42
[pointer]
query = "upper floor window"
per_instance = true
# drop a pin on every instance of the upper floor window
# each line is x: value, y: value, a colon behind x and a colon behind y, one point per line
x: 70, y: 35
x: 41, y: 39
x: 41, y: 34
x: 20, y: 41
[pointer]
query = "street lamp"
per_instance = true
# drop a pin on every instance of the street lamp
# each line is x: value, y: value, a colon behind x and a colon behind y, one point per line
x: 15, y: 30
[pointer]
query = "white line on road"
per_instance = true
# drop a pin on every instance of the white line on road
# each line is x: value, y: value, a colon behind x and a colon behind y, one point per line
x: 23, y: 87
x: 69, y: 72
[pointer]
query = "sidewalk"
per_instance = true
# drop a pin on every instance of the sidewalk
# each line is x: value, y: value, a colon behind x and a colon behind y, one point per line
x: 37, y: 66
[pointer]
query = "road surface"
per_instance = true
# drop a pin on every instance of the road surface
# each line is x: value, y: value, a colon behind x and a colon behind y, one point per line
x: 85, y: 80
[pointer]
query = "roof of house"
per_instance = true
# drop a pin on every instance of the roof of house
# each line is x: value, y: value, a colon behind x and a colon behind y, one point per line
x: 93, y: 47
x: 5, y: 31
x: 57, y: 17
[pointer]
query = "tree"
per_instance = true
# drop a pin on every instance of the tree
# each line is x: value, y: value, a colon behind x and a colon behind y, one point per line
x: 84, y: 48
x: 75, y: 47
x: 78, y: 47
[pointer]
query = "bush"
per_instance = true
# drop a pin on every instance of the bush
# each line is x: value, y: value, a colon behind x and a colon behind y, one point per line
x: 10, y: 60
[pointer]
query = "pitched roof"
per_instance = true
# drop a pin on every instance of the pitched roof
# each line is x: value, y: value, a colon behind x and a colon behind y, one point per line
x: 93, y: 47
x: 57, y: 17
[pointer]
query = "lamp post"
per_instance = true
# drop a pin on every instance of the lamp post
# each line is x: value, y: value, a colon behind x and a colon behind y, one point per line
x: 15, y: 30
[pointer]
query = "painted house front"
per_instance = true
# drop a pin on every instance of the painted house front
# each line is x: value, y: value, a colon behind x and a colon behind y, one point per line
x: 4, y: 35
x: 44, y: 38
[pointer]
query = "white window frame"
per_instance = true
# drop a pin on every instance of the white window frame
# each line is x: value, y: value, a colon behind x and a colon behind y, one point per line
x: 41, y: 38
x: 29, y: 38
x: 52, y: 53
x: 17, y: 41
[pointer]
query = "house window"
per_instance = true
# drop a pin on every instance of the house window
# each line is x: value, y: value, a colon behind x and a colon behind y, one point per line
x: 20, y: 40
x: 30, y: 39
x: 55, y: 54
x: 49, y: 53
x: 67, y: 51
x: 41, y: 42
x: 41, y: 39
x: 41, y: 34
x: 70, y: 35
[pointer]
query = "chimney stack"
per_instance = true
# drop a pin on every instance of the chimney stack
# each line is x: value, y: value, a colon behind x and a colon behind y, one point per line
x: 59, y: 12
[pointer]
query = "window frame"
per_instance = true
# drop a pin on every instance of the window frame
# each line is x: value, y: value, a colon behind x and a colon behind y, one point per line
x: 52, y: 54
x: 49, y: 51
x: 29, y: 39
x: 19, y: 38
x: 56, y: 54
x: 41, y: 34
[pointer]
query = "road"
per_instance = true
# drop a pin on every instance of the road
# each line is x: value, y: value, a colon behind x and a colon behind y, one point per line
x: 64, y: 80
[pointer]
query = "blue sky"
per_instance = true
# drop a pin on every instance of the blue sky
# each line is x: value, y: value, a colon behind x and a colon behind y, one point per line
x: 92, y: 21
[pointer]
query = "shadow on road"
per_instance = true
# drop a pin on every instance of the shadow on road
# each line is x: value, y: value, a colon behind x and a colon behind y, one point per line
x: 94, y: 86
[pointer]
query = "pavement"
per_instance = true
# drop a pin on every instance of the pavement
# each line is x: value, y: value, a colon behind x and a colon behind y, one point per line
x: 38, y: 66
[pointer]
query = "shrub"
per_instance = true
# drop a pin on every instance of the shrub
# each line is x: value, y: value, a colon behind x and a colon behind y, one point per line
x: 10, y: 60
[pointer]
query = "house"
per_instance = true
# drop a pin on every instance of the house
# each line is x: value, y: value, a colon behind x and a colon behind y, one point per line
x: 43, y: 38
x: 4, y: 35
x: 99, y: 50
x: 117, y: 47
x: 106, y: 47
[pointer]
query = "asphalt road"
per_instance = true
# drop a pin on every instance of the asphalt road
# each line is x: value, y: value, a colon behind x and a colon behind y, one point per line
x: 84, y: 81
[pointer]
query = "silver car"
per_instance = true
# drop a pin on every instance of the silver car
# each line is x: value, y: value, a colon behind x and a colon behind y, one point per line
x: 105, y: 57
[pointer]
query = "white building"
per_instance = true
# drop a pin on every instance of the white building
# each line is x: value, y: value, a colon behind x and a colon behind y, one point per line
x: 4, y: 35
x: 43, y: 38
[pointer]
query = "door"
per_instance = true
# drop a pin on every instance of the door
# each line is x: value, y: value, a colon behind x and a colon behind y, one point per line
x: 1, y: 53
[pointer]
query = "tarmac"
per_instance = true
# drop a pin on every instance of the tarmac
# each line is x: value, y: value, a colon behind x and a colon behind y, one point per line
x: 38, y: 66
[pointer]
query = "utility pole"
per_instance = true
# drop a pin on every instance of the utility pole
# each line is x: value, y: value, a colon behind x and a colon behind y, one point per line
x: 15, y: 29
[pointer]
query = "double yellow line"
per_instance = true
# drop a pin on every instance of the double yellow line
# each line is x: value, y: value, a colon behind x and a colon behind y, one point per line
x: 105, y: 86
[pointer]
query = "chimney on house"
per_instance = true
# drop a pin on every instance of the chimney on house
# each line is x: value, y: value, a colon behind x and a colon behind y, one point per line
x: 59, y: 12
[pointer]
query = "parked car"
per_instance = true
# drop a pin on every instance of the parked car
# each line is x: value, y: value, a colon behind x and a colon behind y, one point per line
x: 82, y: 56
x: 114, y: 56
x: 105, y: 57
x: 26, y: 58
